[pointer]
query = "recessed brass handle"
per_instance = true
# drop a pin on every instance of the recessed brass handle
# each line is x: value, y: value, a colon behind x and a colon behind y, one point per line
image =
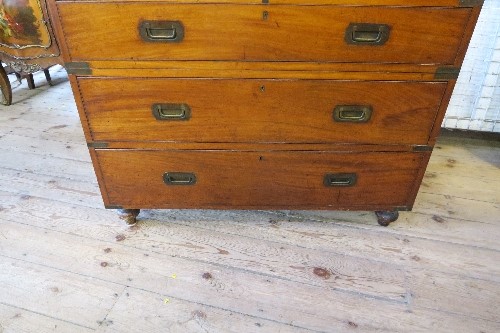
x: 161, y: 31
x: 169, y: 111
x: 179, y: 178
x: 340, y: 179
x: 367, y: 34
x: 352, y: 113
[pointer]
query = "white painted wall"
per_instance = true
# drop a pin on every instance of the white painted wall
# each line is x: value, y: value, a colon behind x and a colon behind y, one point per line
x: 475, y: 104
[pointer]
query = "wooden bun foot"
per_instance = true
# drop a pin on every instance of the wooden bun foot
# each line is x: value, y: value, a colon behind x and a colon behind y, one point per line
x: 129, y: 215
x: 385, y: 217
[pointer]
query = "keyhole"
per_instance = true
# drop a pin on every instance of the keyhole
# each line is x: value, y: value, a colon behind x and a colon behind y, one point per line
x: 262, y: 88
x: 265, y: 15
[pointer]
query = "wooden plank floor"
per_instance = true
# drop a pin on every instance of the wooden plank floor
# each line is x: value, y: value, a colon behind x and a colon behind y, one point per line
x: 68, y: 265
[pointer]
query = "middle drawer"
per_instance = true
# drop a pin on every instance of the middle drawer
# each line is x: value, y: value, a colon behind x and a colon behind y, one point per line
x: 265, y: 111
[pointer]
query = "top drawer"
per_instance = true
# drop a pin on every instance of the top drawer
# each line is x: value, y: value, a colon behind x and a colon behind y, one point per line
x: 163, y: 31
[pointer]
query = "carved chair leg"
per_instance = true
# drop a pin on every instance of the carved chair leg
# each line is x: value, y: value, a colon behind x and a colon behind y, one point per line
x: 47, y: 76
x: 386, y: 217
x: 31, y: 82
x: 129, y: 215
x: 6, y: 89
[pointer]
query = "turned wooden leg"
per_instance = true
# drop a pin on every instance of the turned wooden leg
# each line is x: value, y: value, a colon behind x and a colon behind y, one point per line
x: 129, y: 215
x: 6, y: 89
x: 385, y: 217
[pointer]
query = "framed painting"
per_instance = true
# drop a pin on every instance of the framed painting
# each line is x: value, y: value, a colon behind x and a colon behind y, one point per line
x: 22, y: 25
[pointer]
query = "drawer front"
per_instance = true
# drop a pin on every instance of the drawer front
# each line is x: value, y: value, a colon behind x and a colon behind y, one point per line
x: 155, y: 31
x: 298, y: 111
x: 236, y: 179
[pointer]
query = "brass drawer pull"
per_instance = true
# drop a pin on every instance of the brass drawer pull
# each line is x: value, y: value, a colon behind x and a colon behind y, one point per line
x: 161, y: 31
x: 179, y: 178
x: 167, y: 111
x: 352, y: 113
x: 340, y: 179
x: 367, y: 34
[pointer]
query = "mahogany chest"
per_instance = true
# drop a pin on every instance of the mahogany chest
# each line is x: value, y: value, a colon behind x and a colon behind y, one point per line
x: 271, y: 104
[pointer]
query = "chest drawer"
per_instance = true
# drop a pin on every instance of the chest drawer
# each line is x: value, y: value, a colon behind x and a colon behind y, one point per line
x: 246, y: 179
x: 156, y: 31
x: 231, y: 110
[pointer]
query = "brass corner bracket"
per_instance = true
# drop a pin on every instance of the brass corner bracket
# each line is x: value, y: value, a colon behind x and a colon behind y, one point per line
x: 447, y: 73
x: 470, y: 3
x: 78, y: 68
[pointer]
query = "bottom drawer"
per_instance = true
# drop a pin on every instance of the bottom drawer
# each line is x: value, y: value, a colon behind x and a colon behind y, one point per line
x: 252, y: 180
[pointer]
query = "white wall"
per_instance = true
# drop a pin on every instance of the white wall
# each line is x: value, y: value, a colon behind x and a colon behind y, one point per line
x: 475, y: 104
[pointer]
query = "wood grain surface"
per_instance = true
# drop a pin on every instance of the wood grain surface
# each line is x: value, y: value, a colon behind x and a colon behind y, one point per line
x: 133, y: 179
x: 417, y: 3
x: 68, y: 265
x: 263, y: 70
x: 237, y: 32
x: 291, y: 111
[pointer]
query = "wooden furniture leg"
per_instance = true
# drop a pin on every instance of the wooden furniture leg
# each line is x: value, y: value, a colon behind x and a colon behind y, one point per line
x: 386, y: 217
x: 31, y: 82
x: 47, y: 76
x: 129, y: 215
x: 5, y: 87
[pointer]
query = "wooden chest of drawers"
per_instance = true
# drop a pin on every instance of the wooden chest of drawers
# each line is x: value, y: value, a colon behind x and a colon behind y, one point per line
x: 278, y: 104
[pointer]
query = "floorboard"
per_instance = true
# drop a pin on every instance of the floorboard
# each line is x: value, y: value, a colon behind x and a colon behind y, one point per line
x: 69, y: 265
x: 18, y: 320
